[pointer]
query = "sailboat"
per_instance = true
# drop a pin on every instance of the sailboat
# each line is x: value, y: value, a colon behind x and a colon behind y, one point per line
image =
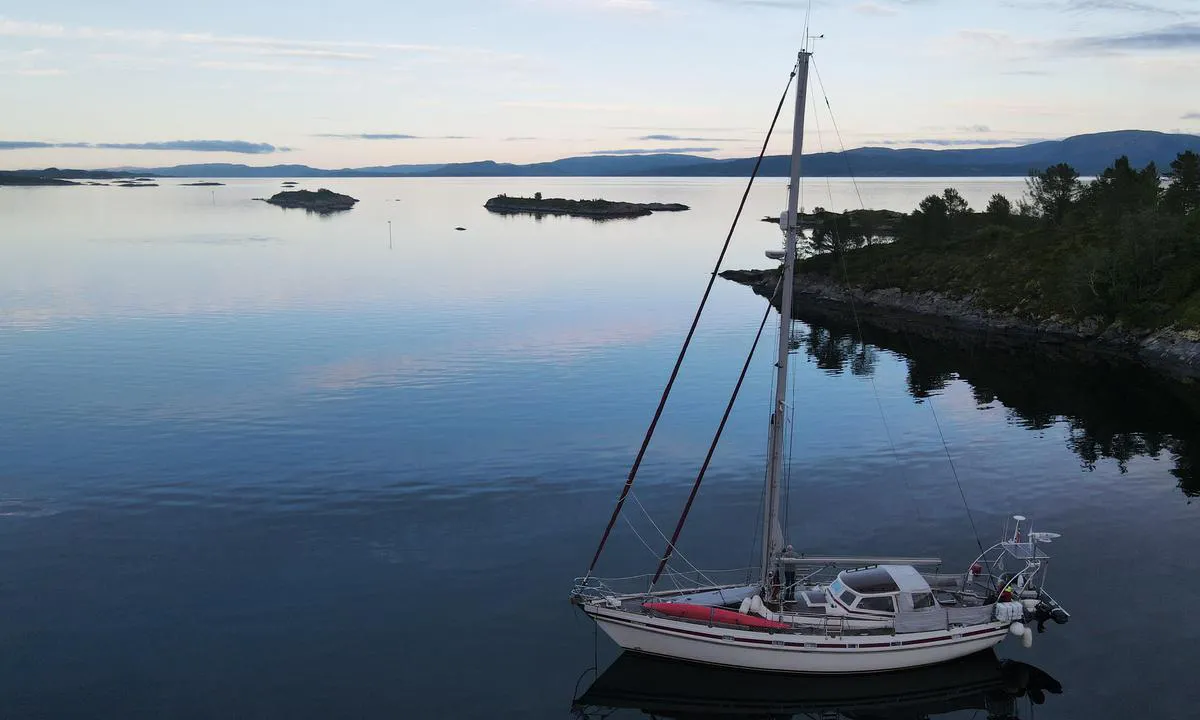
x: 799, y: 613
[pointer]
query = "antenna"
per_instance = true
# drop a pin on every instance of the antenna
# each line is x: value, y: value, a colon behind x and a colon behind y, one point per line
x: 807, y: 15
x: 809, y: 40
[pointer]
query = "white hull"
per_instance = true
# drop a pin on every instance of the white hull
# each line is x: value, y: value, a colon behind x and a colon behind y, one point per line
x: 791, y: 653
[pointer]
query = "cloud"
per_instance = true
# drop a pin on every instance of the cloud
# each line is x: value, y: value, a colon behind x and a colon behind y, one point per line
x: 369, y: 136
x: 23, y: 145
x: 563, y: 105
x: 636, y: 6
x: 279, y: 67
x: 1178, y: 37
x: 315, y: 54
x: 1191, y: 116
x: 659, y: 128
x: 871, y: 8
x: 229, y: 146
x: 653, y: 151
x: 975, y: 129
x: 389, y: 136
x: 1133, y: 6
x: 677, y: 138
x: 993, y: 38
x: 799, y: 6
x: 326, y: 49
x: 956, y: 142
x: 773, y: 4
x: 603, y: 107
x: 1181, y: 36
x: 519, y: 139
x: 39, y: 72
x: 1005, y: 106
x: 29, y: 63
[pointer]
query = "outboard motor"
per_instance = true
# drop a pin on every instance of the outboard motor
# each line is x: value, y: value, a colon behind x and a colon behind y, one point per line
x: 1044, y: 611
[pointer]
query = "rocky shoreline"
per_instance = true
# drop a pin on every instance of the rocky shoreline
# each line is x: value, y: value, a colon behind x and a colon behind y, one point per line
x: 1174, y: 352
x: 593, y: 209
x: 322, y: 201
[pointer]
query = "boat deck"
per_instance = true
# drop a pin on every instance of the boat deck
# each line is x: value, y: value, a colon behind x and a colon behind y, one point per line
x: 823, y: 625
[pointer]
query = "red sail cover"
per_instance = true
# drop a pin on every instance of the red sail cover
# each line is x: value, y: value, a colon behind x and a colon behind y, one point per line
x: 714, y: 615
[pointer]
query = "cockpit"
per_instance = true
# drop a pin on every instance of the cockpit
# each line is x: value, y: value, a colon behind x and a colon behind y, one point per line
x: 880, y: 590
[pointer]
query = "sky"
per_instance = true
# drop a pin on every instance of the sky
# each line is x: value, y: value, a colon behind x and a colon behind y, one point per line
x: 379, y: 82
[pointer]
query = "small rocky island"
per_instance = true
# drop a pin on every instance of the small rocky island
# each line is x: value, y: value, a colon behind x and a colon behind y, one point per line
x: 322, y: 201
x: 202, y: 184
x: 27, y: 180
x: 57, y: 176
x: 594, y: 209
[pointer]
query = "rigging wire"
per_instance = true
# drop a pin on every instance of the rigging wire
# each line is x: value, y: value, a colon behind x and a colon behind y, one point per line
x: 662, y: 535
x: 954, y: 470
x: 790, y: 444
x: 650, y: 548
x: 933, y: 411
x: 789, y: 417
x: 712, y: 448
x: 758, y: 516
x: 662, y: 402
x: 639, y: 537
x: 762, y: 495
x: 838, y: 131
x: 846, y: 279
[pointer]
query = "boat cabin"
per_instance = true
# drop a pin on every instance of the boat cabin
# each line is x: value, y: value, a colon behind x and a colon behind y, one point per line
x: 882, y: 590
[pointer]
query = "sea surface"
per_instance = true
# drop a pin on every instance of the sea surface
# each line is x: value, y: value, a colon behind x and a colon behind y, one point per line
x: 262, y: 463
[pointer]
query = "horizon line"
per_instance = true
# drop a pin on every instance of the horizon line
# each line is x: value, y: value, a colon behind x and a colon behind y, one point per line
x: 593, y: 155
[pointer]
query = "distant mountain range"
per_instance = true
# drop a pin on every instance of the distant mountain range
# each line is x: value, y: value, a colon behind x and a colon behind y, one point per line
x: 1089, y: 154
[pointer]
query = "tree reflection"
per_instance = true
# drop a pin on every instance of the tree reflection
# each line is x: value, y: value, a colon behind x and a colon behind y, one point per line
x: 926, y: 378
x: 1113, y: 410
x: 836, y: 349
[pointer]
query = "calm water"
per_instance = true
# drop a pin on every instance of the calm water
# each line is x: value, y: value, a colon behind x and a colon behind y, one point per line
x: 258, y: 463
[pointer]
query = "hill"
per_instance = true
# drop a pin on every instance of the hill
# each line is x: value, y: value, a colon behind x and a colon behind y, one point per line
x: 1089, y: 154
x: 586, y: 166
x: 229, y: 170
x: 59, y: 174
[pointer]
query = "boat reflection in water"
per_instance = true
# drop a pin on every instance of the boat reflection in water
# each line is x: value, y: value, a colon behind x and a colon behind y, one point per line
x: 665, y: 688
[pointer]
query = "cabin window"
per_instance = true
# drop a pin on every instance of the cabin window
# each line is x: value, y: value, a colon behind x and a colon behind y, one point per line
x: 878, y: 604
x: 870, y: 581
x: 922, y: 601
x: 847, y: 598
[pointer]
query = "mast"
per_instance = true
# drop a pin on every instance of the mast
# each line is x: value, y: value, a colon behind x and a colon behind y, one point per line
x: 772, y: 530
